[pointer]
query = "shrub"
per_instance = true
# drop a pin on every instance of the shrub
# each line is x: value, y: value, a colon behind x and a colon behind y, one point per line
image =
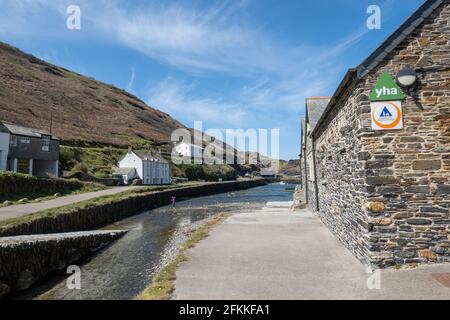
x: 194, y: 172
x: 219, y: 171
x: 81, y: 167
x: 17, y: 185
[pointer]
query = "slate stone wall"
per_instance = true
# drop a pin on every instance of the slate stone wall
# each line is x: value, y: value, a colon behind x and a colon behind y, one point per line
x: 385, y: 194
x: 26, y: 260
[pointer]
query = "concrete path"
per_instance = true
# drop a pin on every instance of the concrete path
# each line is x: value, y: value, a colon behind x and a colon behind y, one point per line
x: 276, y: 254
x: 25, y: 209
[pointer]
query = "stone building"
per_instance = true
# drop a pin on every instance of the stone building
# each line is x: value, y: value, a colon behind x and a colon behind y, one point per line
x: 385, y: 193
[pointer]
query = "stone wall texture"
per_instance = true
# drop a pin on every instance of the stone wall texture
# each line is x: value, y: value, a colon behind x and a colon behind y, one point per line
x: 26, y: 260
x: 385, y: 194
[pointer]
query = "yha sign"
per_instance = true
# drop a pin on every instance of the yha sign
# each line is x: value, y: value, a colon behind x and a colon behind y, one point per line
x: 386, y: 90
x: 386, y: 115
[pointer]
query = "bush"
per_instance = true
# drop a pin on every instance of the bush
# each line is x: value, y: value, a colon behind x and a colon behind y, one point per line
x: 219, y: 171
x: 81, y: 167
x: 194, y: 172
x: 210, y: 172
x: 17, y: 185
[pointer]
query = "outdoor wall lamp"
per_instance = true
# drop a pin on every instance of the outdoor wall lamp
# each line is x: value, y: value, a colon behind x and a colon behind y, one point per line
x: 406, y: 77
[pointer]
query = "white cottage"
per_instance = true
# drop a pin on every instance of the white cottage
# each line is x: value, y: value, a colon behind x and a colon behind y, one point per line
x: 150, y: 168
x: 187, y: 150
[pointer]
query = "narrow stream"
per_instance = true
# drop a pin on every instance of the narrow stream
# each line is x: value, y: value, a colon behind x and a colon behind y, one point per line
x: 125, y: 268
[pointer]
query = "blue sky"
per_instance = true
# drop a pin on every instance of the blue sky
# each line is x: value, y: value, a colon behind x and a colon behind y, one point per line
x: 232, y: 64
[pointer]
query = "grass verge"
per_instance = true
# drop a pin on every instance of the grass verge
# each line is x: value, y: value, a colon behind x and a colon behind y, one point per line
x: 163, y: 284
x: 44, y: 196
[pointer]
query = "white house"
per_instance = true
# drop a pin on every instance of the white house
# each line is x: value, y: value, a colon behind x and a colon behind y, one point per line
x: 187, y: 150
x: 150, y: 168
x: 4, y: 147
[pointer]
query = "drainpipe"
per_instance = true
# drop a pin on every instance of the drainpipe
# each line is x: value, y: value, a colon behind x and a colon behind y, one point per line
x: 316, y: 190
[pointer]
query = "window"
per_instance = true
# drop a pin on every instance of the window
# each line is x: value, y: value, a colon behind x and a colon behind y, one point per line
x: 25, y: 140
x: 13, y: 141
x: 46, y: 143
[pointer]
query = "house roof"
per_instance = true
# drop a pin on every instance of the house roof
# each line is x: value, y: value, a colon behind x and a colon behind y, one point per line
x: 3, y: 128
x: 315, y: 106
x: 148, y: 155
x: 28, y: 132
x: 123, y: 171
x: 379, y: 54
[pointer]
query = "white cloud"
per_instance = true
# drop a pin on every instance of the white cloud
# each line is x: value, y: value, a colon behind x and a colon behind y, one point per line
x: 179, y: 99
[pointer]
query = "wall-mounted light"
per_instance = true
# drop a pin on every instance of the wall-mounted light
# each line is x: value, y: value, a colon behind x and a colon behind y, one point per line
x: 406, y: 77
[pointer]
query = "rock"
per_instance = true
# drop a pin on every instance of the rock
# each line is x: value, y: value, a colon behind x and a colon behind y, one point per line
x: 380, y: 221
x: 408, y: 254
x: 4, y: 289
x: 24, y: 200
x: 390, y: 190
x: 424, y: 42
x: 377, y: 164
x: 25, y: 280
x: 433, y: 209
x: 364, y: 155
x: 419, y: 221
x: 6, y: 203
x: 381, y: 180
x: 411, y: 139
x: 375, y: 206
x: 418, y: 189
x: 443, y: 189
x: 57, y: 195
x: 427, y: 164
x: 428, y: 254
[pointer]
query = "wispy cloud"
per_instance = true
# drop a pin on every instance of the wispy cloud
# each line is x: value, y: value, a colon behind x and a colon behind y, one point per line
x: 179, y: 98
x: 130, y: 84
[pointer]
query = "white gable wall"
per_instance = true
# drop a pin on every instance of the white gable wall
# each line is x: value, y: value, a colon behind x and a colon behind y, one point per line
x: 131, y: 160
x: 4, y: 148
x: 184, y: 149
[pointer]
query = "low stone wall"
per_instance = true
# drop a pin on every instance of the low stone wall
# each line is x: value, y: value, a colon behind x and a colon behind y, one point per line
x: 97, y: 215
x: 28, y: 259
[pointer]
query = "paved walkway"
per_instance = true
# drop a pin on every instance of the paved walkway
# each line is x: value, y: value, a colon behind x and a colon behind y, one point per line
x: 25, y: 209
x: 276, y: 254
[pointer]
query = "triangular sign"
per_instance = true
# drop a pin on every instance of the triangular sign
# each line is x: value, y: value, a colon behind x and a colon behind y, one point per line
x: 386, y: 90
x: 385, y: 113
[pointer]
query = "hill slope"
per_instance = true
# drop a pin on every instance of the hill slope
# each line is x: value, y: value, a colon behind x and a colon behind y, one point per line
x: 83, y: 109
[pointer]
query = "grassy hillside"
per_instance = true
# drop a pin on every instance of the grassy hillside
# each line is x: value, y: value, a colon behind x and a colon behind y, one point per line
x: 100, y: 161
x: 33, y: 91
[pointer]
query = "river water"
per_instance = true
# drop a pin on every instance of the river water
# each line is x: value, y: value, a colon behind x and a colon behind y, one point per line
x: 123, y: 269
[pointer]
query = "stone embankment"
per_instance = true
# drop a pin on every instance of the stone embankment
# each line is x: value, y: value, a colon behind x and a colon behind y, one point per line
x: 95, y: 215
x: 25, y: 260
